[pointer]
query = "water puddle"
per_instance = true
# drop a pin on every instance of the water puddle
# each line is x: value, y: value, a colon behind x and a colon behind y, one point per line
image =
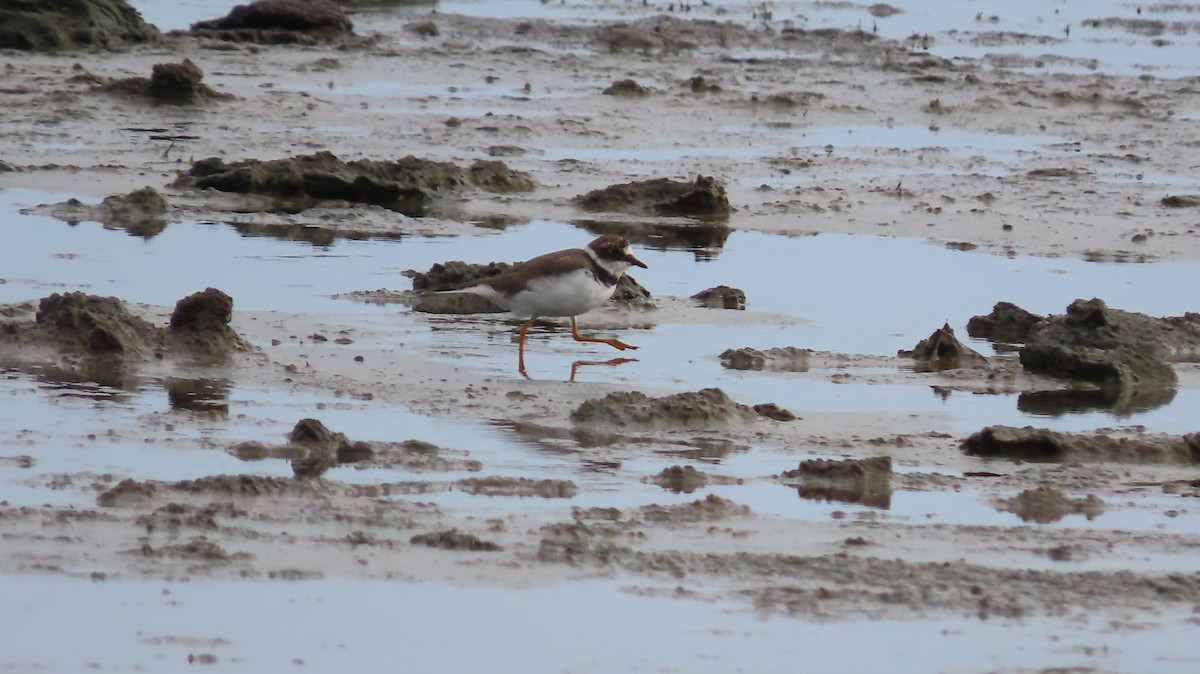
x: 839, y: 293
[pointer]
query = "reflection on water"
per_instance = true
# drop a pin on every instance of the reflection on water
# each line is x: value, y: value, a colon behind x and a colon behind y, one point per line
x: 198, y: 395
x: 705, y: 239
x: 1120, y: 401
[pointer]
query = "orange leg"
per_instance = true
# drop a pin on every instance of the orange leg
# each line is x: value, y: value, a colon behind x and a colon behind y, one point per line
x: 521, y: 346
x: 616, y: 343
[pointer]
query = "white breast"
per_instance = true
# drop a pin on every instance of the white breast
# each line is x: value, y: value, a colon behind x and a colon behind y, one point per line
x: 564, y: 295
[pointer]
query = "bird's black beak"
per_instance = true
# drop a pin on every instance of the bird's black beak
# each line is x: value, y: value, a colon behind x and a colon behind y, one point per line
x: 635, y: 262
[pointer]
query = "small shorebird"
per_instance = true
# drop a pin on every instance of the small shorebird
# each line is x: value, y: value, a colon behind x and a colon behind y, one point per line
x: 559, y: 284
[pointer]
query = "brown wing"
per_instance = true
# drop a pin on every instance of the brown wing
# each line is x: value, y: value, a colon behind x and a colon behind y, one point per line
x: 551, y: 264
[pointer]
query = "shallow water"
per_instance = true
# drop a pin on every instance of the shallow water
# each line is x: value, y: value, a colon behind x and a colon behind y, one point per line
x: 843, y: 293
x: 1033, y: 29
x: 280, y: 626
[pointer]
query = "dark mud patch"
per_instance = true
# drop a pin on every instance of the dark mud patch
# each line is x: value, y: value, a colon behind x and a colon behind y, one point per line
x: 1181, y: 201
x: 1037, y: 444
x: 943, y: 351
x: 721, y: 297
x: 279, y: 22
x: 866, y: 481
x: 53, y: 25
x: 1046, y: 504
x: 710, y: 407
x: 779, y: 359
x: 661, y: 196
x: 410, y: 185
x: 453, y: 539
x: 169, y: 84
x: 141, y: 212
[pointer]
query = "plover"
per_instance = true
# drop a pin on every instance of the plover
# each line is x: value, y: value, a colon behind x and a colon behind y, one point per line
x: 560, y: 284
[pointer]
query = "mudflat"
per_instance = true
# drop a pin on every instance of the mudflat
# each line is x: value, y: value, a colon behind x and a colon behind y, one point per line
x: 391, y: 439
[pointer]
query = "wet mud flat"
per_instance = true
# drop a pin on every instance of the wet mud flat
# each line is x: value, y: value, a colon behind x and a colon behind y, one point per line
x: 389, y: 441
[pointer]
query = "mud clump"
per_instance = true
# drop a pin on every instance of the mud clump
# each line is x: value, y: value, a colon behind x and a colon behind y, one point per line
x: 681, y: 479
x: 453, y: 539
x: 1037, y: 444
x: 1045, y: 504
x: 140, y: 212
x: 54, y: 25
x: 127, y: 492
x: 279, y: 22
x: 866, y: 481
x: 1117, y: 350
x: 209, y: 309
x: 1181, y: 201
x: 312, y: 449
x: 626, y: 88
x: 496, y: 176
x: 81, y: 322
x: 631, y: 295
x: 409, y: 185
x: 780, y: 359
x: 721, y: 297
x: 661, y: 196
x: 774, y: 412
x: 705, y: 408
x: 453, y: 275
x: 168, y: 84
x: 942, y: 351
x: 1007, y: 323
x: 708, y: 509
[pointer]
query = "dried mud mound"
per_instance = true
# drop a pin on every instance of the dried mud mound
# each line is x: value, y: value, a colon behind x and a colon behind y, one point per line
x: 681, y: 479
x: 866, y: 481
x: 279, y: 22
x: 1037, y: 444
x: 312, y: 449
x: 88, y: 325
x: 942, y: 351
x: 1110, y: 347
x: 141, y: 212
x: 54, y: 25
x: 409, y: 185
x: 661, y: 196
x: 721, y: 297
x: 705, y: 408
x: 169, y: 84
x: 781, y: 359
x: 1007, y: 323
x: 1127, y: 357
